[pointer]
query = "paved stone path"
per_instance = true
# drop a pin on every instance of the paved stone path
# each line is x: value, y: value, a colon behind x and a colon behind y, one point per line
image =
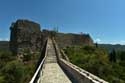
x: 52, y: 72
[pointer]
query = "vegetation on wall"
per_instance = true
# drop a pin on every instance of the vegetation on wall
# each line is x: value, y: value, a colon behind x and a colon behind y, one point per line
x: 12, y: 70
x: 98, y: 61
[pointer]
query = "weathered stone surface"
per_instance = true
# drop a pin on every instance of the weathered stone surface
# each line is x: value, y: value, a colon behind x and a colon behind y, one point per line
x: 70, y: 39
x: 25, y: 35
x: 52, y: 72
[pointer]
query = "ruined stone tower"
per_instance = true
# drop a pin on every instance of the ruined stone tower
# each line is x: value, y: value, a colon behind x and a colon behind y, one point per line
x: 25, y: 35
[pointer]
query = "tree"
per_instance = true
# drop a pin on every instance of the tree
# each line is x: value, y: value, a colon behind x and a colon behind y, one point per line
x: 112, y: 56
x: 122, y: 55
x: 96, y: 44
x: 13, y: 72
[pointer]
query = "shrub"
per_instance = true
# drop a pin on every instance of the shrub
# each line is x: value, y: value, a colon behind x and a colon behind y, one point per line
x: 96, y: 61
x: 13, y: 72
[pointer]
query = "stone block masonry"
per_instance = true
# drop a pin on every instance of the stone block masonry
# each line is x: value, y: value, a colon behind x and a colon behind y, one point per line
x: 25, y: 34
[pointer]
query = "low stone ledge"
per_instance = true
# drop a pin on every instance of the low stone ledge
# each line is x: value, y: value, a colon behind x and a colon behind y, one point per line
x: 80, y: 75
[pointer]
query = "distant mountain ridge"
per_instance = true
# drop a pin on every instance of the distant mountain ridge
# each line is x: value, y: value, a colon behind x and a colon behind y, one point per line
x: 109, y: 47
x: 4, y: 45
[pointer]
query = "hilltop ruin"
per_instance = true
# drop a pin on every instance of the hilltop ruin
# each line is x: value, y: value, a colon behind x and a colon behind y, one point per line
x: 26, y: 34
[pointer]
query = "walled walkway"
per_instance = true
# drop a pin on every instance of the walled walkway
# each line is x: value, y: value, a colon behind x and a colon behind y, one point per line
x: 52, y: 72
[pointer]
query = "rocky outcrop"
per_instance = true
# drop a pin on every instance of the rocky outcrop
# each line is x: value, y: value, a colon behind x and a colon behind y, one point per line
x: 25, y: 35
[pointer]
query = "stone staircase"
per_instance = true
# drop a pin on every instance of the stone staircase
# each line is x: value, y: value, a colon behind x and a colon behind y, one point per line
x: 52, y: 72
x: 51, y: 55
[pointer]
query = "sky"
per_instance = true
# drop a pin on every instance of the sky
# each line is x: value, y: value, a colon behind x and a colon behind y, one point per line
x: 104, y: 20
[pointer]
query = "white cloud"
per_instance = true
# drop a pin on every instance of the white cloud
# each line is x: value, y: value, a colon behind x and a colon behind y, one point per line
x: 113, y: 42
x: 122, y: 42
x: 4, y: 39
x: 0, y: 39
x: 98, y: 40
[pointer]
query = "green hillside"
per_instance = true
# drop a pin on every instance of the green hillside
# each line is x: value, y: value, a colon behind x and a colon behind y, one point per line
x: 97, y: 61
x: 15, y: 70
x: 109, y: 47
